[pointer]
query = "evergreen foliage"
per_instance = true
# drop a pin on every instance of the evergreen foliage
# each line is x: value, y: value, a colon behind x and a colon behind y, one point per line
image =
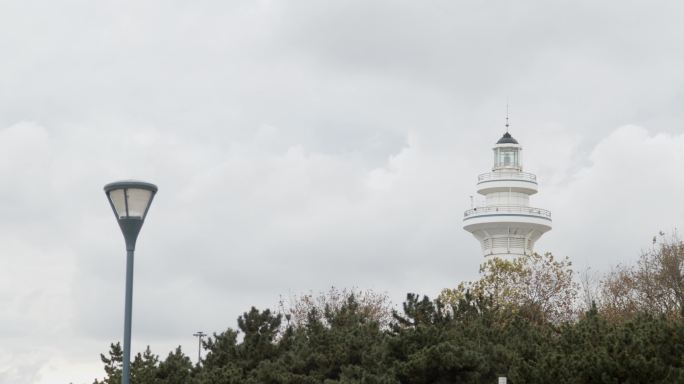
x: 428, y: 342
x: 518, y: 320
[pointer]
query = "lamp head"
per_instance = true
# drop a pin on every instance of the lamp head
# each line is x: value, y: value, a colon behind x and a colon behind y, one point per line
x: 130, y: 201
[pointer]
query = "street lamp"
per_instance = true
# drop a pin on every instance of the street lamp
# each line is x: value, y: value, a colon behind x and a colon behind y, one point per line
x: 130, y: 201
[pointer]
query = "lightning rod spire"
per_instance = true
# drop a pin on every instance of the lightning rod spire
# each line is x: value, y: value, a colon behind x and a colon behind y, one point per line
x: 507, y: 124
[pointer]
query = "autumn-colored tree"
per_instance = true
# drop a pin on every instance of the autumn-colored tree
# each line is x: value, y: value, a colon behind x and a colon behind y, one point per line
x: 654, y: 285
x: 540, y: 285
x: 371, y: 304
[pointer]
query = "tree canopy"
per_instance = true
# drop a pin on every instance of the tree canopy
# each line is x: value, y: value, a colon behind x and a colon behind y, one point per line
x: 521, y: 319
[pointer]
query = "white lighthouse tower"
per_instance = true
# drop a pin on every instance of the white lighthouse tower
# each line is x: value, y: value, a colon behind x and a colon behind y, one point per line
x: 506, y: 225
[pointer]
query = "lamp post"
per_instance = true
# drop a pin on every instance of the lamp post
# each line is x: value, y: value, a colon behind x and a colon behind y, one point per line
x: 199, y: 335
x: 130, y: 201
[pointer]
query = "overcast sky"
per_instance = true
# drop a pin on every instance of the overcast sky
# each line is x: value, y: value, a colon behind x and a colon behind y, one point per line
x: 299, y: 145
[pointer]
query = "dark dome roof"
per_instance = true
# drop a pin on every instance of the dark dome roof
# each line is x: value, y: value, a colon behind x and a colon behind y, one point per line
x: 507, y: 139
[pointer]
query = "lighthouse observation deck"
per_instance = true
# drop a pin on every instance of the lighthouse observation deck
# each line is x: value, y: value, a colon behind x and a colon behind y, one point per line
x: 503, y: 210
x: 505, y: 181
x: 499, y: 176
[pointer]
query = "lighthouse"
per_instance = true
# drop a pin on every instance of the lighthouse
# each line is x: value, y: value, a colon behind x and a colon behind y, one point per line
x: 506, y: 225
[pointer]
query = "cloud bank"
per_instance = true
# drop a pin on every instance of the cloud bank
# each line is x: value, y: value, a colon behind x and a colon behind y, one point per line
x: 299, y: 145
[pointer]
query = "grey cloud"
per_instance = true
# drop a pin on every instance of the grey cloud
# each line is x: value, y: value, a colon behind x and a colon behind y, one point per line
x: 299, y: 145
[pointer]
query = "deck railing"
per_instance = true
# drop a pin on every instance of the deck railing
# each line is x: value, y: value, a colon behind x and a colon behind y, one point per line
x: 507, y: 175
x: 508, y: 209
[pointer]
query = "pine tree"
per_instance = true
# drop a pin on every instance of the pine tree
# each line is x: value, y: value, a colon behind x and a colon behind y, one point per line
x: 113, y: 365
x: 176, y: 369
x: 144, y: 367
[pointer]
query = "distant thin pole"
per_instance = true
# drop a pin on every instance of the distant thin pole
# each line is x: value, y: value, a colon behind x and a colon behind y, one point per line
x: 507, y: 124
x: 199, y: 335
